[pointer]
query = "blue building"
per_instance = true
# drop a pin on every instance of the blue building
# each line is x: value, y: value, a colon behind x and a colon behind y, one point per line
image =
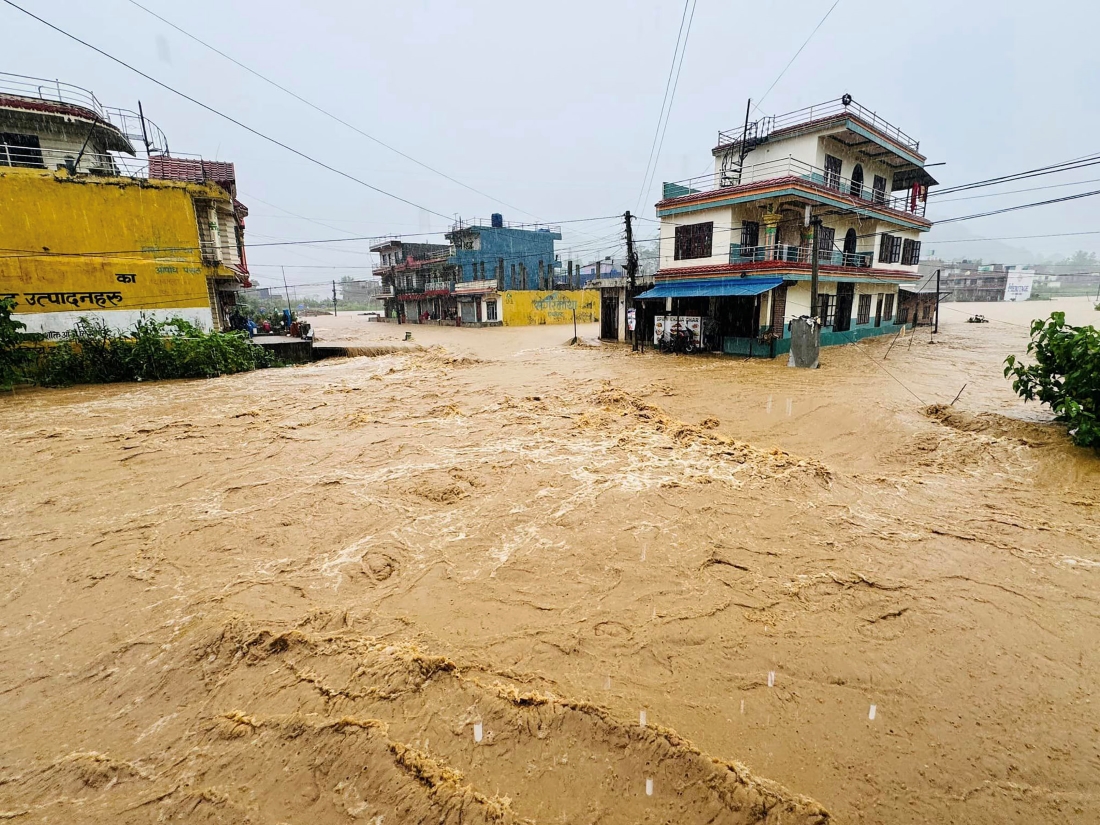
x: 489, y: 260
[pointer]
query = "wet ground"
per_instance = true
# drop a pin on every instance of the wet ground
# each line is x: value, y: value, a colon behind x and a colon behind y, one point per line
x: 444, y: 582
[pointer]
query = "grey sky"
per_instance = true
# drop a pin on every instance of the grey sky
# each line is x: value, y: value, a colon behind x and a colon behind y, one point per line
x: 552, y: 106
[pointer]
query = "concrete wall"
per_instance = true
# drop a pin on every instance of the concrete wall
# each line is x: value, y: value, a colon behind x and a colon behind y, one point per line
x: 151, y: 225
x: 532, y: 307
x: 798, y: 300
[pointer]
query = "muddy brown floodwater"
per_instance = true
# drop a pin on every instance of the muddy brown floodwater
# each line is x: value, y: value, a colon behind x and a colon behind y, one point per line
x: 444, y: 584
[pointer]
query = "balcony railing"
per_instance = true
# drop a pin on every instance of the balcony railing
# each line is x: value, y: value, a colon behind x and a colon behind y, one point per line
x: 789, y: 253
x: 761, y: 129
x: 789, y: 167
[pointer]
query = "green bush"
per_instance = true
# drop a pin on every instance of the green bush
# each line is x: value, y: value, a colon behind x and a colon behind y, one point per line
x: 13, y: 357
x: 91, y: 353
x: 1065, y: 375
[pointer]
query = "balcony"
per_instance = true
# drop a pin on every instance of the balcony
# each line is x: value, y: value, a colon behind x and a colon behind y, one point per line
x: 761, y: 130
x: 789, y: 253
x: 790, y: 169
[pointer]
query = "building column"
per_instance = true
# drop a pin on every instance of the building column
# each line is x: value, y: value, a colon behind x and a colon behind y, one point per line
x: 771, y: 235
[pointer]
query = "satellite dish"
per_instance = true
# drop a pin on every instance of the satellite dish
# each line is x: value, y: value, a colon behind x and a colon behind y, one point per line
x: 846, y: 100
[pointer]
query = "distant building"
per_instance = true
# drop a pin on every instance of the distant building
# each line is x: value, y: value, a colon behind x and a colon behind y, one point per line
x: 974, y: 281
x: 494, y: 257
x: 490, y: 273
x: 736, y: 256
x: 599, y: 270
x: 87, y: 180
x: 360, y: 291
x: 416, y: 281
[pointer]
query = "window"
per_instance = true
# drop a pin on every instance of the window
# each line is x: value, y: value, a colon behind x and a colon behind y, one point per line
x: 694, y: 240
x: 832, y: 171
x: 888, y: 308
x: 20, y: 150
x: 826, y: 237
x: 824, y: 311
x: 889, y: 249
x: 878, y: 190
x: 864, y: 314
x: 491, y: 310
x: 910, y: 252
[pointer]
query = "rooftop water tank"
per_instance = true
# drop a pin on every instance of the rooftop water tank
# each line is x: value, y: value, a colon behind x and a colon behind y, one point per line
x: 497, y: 220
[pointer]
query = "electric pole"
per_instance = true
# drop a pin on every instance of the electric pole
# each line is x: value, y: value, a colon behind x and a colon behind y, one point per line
x: 631, y: 274
x: 937, y: 323
x: 815, y: 224
x: 334, y: 299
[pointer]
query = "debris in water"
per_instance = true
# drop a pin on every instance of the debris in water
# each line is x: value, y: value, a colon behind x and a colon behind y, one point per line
x: 771, y: 678
x: 649, y: 787
x: 641, y: 719
x: 871, y: 713
x: 477, y: 731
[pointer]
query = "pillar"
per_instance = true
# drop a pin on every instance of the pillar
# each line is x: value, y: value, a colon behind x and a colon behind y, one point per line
x: 771, y: 236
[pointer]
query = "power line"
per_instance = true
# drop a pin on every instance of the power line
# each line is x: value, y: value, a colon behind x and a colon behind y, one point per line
x: 661, y: 115
x: 220, y: 114
x: 1021, y: 206
x: 796, y: 54
x: 325, y: 112
x: 1054, y: 168
x: 1017, y: 191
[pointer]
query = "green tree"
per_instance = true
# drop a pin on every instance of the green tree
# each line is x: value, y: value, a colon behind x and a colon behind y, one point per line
x: 1082, y: 260
x: 1065, y: 375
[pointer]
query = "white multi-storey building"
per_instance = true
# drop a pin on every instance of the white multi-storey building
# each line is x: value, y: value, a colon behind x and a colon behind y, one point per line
x: 735, y: 248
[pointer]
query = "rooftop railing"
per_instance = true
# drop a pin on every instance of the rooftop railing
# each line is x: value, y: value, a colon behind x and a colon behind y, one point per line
x: 776, y: 170
x: 760, y: 129
x: 463, y: 223
x: 139, y: 130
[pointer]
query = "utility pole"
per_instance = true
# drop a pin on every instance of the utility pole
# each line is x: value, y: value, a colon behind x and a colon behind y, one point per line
x: 287, y: 290
x: 815, y: 224
x: 334, y: 299
x: 937, y: 323
x: 631, y: 274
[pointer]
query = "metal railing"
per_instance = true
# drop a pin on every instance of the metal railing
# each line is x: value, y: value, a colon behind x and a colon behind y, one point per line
x: 93, y: 163
x: 480, y: 223
x: 128, y: 122
x: 764, y: 127
x: 789, y: 167
x: 38, y: 88
x: 790, y: 253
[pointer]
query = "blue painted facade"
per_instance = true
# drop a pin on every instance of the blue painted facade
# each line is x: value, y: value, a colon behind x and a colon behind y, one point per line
x: 479, y: 251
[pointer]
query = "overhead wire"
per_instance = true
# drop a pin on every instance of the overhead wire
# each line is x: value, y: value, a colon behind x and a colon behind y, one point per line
x: 223, y: 115
x: 664, y: 101
x: 790, y: 62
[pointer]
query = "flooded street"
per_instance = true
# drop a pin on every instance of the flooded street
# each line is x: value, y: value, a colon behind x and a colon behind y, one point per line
x: 449, y: 582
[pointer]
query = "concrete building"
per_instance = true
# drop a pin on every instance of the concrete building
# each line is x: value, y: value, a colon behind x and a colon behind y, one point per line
x: 491, y: 258
x: 100, y: 221
x: 417, y: 281
x: 966, y: 281
x: 489, y: 274
x: 735, y: 255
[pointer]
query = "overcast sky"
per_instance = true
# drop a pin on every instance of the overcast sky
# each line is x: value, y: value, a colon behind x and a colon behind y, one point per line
x: 551, y: 107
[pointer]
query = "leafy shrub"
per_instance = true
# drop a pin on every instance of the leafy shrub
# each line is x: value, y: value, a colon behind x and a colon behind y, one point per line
x: 91, y: 353
x: 1065, y: 375
x: 13, y: 357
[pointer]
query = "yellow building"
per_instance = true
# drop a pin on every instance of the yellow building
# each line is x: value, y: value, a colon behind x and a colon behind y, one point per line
x: 90, y: 230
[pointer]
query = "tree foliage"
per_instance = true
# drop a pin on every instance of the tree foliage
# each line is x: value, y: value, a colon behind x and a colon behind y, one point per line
x: 1065, y: 375
x: 13, y: 357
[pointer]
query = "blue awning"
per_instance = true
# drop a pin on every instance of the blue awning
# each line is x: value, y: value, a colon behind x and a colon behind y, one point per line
x: 711, y: 288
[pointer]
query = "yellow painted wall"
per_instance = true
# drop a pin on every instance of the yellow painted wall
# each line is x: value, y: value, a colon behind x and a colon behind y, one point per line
x: 531, y: 307
x: 149, y: 226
